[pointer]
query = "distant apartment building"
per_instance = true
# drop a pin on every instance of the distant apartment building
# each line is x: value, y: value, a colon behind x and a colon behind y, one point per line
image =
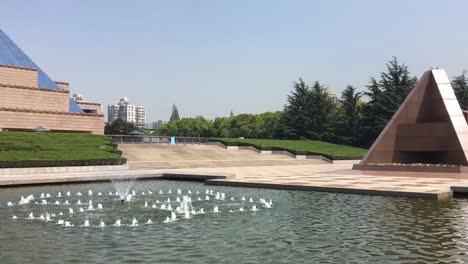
x: 112, y: 113
x: 127, y: 112
x: 154, y: 125
x: 159, y: 123
x: 149, y: 126
x: 140, y: 116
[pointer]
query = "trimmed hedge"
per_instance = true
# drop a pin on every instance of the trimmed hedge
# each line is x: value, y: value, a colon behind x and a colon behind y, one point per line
x: 60, y: 163
x: 116, y: 151
x: 44, y: 149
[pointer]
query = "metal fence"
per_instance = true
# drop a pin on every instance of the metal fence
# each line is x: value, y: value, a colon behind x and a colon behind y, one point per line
x: 140, y: 139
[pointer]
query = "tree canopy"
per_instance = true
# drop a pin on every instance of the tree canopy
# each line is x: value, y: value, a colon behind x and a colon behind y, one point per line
x: 313, y: 113
x: 243, y: 125
x: 460, y: 87
x: 119, y: 127
x: 385, y: 94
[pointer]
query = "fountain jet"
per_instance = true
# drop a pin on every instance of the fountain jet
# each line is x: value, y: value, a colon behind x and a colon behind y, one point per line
x: 186, y: 206
x: 122, y: 186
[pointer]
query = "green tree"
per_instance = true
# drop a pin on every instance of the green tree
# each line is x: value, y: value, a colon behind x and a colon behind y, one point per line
x: 460, y: 86
x: 295, y: 119
x: 243, y: 125
x: 267, y: 124
x: 386, y: 95
x: 307, y: 114
x: 119, y: 127
x: 222, y: 127
x: 174, y: 114
x: 349, y: 116
x: 187, y: 127
x: 321, y: 111
x: 168, y: 129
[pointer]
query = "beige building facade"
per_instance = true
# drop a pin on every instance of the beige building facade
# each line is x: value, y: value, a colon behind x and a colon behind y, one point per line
x: 29, y: 99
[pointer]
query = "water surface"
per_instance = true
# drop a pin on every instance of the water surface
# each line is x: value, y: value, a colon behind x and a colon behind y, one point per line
x: 301, y: 227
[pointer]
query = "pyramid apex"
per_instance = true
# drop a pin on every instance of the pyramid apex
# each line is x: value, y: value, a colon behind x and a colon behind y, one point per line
x: 14, y: 56
x: 440, y: 76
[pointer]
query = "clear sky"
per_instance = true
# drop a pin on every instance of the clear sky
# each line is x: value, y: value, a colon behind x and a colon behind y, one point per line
x: 209, y: 57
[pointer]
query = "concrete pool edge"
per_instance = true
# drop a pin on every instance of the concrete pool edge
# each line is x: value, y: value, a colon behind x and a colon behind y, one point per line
x: 88, y: 178
x: 330, y: 189
x: 211, y: 178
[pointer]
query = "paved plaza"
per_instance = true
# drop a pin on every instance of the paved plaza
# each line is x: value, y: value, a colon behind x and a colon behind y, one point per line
x: 341, y: 178
x: 263, y: 171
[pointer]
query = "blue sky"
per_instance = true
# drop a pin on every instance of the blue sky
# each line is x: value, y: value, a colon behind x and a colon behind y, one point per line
x: 209, y: 57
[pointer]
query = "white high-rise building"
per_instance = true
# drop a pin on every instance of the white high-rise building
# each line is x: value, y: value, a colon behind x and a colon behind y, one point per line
x: 112, y: 113
x: 140, y: 116
x: 127, y: 112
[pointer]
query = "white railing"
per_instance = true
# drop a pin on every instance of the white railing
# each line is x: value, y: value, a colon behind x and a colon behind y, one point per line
x: 142, y: 139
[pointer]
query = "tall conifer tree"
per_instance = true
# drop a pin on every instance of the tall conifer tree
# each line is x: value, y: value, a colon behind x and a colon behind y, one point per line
x: 174, y: 114
x: 460, y: 86
x: 386, y: 95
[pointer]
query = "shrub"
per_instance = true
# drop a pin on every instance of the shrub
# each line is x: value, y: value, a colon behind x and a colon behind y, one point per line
x: 60, y: 163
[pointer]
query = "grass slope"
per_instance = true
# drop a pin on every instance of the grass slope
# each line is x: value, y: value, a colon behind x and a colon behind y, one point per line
x: 329, y: 150
x: 36, y: 146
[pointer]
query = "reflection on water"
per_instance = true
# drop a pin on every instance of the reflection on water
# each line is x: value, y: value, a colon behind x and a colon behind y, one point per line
x: 301, y: 227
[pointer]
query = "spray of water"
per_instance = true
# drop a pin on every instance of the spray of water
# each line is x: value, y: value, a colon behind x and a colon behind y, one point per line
x: 123, y: 186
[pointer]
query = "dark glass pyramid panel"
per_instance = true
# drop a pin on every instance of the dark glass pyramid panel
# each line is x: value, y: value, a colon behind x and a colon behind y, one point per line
x: 11, y: 54
x: 74, y: 108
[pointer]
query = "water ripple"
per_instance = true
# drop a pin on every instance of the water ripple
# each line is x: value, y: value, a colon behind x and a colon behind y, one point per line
x: 301, y: 227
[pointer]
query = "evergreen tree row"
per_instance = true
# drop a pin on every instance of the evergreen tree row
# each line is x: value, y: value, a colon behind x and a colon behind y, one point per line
x: 312, y: 113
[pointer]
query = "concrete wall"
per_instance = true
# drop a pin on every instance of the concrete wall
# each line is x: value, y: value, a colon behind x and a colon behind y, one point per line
x: 18, y: 76
x: 33, y: 98
x: 63, y: 85
x: 75, y: 169
x: 17, y: 119
x: 23, y: 106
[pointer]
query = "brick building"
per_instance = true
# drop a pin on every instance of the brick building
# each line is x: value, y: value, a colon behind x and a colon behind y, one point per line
x: 30, y: 99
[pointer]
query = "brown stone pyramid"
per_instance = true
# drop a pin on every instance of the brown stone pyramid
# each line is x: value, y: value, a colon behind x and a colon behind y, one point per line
x: 429, y: 127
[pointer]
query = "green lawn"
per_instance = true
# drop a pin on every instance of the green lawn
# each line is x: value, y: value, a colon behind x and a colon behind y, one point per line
x: 55, y: 149
x: 329, y: 150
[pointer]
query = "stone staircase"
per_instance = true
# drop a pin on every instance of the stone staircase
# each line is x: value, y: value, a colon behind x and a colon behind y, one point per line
x: 147, y: 156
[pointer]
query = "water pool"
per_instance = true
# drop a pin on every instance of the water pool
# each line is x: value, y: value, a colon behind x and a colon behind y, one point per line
x: 300, y: 227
